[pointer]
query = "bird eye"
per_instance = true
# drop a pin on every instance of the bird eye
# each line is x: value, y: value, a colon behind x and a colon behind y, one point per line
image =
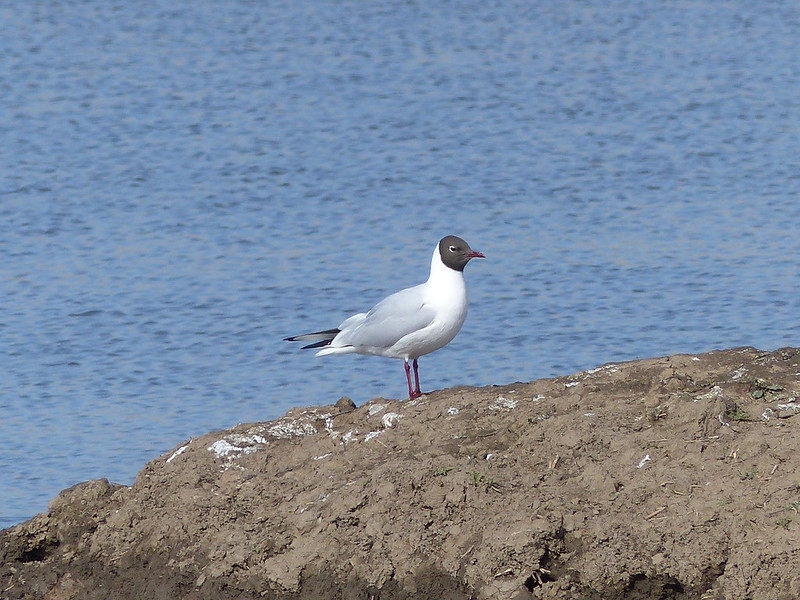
x: 452, y: 248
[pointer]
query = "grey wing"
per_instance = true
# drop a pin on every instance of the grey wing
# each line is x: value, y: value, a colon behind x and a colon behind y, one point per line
x: 390, y: 320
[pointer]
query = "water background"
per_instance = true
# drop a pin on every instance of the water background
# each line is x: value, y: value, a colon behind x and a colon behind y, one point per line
x: 184, y: 184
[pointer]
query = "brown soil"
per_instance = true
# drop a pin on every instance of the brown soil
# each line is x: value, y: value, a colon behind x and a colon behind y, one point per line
x: 665, y: 478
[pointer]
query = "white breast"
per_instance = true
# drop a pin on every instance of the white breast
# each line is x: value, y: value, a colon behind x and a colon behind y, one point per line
x: 446, y: 293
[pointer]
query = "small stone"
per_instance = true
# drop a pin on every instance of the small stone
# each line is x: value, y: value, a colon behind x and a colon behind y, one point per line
x: 345, y: 404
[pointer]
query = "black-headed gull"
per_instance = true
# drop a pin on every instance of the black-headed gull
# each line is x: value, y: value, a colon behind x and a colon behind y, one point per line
x: 411, y: 322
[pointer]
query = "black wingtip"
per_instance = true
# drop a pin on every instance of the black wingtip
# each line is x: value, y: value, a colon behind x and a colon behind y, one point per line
x: 322, y: 338
x: 318, y: 344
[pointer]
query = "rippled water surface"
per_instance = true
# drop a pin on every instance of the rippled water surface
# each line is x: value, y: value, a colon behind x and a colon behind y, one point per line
x: 185, y: 184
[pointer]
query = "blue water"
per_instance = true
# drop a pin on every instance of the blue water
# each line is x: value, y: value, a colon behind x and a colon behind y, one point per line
x: 185, y: 184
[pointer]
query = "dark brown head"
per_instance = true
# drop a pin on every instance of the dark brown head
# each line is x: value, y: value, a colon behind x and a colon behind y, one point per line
x: 456, y: 253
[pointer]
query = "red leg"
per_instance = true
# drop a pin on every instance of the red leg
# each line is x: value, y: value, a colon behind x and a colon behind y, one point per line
x: 408, y: 378
x: 417, y: 391
x: 411, y: 392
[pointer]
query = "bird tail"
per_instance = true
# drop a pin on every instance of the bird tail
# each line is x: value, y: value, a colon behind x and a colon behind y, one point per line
x: 320, y: 338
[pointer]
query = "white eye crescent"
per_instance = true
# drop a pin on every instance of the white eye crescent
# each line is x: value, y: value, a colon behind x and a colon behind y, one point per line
x: 452, y: 248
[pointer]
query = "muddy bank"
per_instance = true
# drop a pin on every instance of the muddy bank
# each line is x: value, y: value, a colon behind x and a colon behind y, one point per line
x: 671, y: 477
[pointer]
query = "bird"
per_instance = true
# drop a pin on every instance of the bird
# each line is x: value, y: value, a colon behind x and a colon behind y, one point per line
x: 410, y: 323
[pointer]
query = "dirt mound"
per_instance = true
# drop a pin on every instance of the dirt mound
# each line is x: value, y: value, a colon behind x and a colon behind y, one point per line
x: 665, y: 478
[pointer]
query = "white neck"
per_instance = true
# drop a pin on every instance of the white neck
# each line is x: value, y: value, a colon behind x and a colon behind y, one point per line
x: 444, y: 275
